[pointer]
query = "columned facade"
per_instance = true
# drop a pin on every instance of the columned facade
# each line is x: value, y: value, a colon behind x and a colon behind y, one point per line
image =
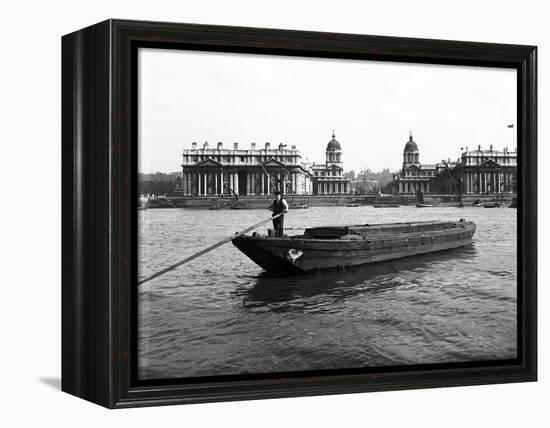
x: 222, y: 172
x: 475, y: 172
x: 487, y: 171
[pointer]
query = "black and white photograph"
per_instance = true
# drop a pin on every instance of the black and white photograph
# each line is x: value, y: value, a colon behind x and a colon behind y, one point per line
x: 275, y: 215
x: 298, y: 214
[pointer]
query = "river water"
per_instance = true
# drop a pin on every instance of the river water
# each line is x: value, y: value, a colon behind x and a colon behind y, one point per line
x: 219, y: 315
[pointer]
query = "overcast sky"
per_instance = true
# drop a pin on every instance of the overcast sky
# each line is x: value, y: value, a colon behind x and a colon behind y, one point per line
x: 189, y: 96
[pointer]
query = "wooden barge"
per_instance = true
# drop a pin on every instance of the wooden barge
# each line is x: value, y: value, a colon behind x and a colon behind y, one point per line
x: 343, y: 246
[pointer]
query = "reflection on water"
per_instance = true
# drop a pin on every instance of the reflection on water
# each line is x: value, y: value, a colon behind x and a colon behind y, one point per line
x: 220, y: 314
x: 316, y: 292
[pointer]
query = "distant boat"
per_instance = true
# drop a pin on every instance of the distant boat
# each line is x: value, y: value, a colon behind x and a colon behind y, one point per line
x: 492, y: 205
x: 215, y: 207
x: 240, y: 206
x: 477, y: 203
x: 344, y: 246
x: 386, y: 206
x: 298, y: 206
x: 423, y: 205
x: 353, y: 205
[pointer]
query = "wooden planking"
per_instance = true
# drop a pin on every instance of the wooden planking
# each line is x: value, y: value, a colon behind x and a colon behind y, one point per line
x: 271, y: 253
x: 328, y: 232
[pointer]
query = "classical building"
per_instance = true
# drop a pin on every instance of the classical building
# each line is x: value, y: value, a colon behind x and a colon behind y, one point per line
x: 475, y: 172
x: 218, y: 171
x: 413, y: 175
x: 480, y: 171
x: 328, y: 177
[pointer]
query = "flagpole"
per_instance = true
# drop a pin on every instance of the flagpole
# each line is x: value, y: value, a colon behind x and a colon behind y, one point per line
x: 513, y: 128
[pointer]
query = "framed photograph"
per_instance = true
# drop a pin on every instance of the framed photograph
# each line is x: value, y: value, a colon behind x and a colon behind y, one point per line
x: 255, y: 213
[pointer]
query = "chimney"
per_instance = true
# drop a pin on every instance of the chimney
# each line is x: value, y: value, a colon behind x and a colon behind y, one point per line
x: 293, y: 147
x: 281, y: 146
x: 205, y: 145
x: 267, y: 146
x: 252, y: 146
x: 491, y: 147
x: 235, y: 146
x: 220, y: 145
x: 194, y: 145
x: 479, y: 147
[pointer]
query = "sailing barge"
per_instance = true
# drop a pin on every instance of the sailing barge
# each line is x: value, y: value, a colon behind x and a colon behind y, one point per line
x: 343, y: 246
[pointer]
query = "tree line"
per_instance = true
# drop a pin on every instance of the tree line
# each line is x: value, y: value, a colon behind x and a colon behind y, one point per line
x: 384, y: 179
x: 158, y: 183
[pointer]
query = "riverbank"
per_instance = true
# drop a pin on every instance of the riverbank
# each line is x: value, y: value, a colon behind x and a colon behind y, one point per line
x: 258, y: 202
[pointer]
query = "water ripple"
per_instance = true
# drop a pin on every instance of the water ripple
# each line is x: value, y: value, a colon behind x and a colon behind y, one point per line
x: 220, y: 314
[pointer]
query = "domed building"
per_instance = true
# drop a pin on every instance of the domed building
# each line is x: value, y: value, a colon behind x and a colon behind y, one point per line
x: 328, y: 177
x: 414, y: 176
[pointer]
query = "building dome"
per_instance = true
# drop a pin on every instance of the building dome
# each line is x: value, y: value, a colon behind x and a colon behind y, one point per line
x: 411, y: 145
x: 333, y: 145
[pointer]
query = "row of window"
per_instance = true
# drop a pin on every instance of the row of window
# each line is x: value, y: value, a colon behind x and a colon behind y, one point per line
x: 419, y: 173
x: 227, y: 159
x: 476, y: 160
x: 327, y: 174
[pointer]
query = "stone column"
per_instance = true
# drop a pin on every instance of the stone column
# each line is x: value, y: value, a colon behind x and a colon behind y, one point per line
x: 482, y: 182
x: 262, y: 184
x: 199, y: 185
x: 205, y: 178
x: 236, y: 181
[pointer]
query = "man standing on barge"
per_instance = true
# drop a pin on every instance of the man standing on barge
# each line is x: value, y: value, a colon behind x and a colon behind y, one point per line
x: 279, y: 206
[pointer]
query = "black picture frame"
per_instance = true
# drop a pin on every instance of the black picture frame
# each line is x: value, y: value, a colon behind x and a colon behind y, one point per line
x: 99, y: 173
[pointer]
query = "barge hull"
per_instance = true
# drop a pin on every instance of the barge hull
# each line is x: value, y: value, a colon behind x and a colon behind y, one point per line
x: 298, y: 255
